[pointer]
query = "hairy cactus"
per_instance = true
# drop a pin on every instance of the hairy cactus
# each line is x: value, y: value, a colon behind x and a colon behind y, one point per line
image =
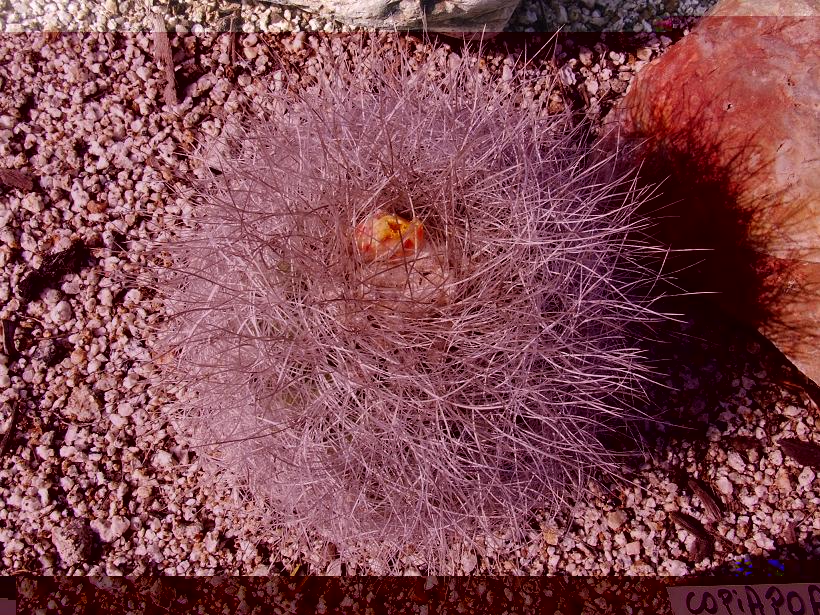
x: 403, y: 313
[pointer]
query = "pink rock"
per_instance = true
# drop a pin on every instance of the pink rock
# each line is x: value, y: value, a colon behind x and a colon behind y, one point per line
x: 733, y: 110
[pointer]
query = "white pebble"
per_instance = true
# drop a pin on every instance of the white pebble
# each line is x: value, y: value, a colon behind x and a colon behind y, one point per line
x: 163, y: 459
x: 792, y: 411
x: 616, y: 519
x: 676, y: 567
x: 468, y: 562
x: 32, y: 203
x: 749, y: 501
x: 67, y: 451
x: 133, y: 296
x: 61, y: 313
x: 72, y: 287
x: 724, y: 485
x: 110, y: 532
x: 806, y: 477
x: 105, y: 297
x: 735, y: 461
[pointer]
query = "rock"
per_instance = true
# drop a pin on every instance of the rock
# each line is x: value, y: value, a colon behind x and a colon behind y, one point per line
x: 616, y: 519
x: 111, y: 530
x: 468, y: 562
x: 82, y: 405
x: 724, y: 485
x: 756, y: 8
x: 731, y: 115
x: 73, y: 541
x: 163, y: 459
x: 450, y: 16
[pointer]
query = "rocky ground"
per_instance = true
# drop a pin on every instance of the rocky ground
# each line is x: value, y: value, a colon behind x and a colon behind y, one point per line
x: 94, y: 481
x: 248, y: 16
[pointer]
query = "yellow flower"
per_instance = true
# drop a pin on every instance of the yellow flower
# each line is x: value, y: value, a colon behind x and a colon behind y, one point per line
x: 389, y: 236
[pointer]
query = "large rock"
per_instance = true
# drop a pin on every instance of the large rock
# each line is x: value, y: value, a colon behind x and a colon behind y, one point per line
x: 732, y: 113
x: 437, y: 15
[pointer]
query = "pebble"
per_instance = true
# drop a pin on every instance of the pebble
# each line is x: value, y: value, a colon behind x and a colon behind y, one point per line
x: 111, y: 530
x: 735, y: 461
x: 616, y: 519
x: 163, y: 459
x: 806, y: 477
x: 61, y: 313
x: 724, y: 485
x: 73, y: 542
x: 468, y: 562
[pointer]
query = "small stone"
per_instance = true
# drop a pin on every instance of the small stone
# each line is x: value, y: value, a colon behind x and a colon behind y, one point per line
x: 735, y: 461
x: 163, y: 459
x: 210, y: 543
x: 633, y: 548
x: 617, y: 58
x: 551, y: 537
x: 67, y: 451
x: 109, y: 532
x: 73, y: 541
x: 783, y: 481
x: 616, y: 519
x: 749, y: 501
x: 806, y: 477
x: 676, y: 567
x: 82, y: 405
x: 61, y: 313
x: 32, y: 203
x: 469, y: 562
x: 724, y: 485
x: 585, y: 56
x: 792, y: 411
x: 592, y: 85
x: 72, y: 287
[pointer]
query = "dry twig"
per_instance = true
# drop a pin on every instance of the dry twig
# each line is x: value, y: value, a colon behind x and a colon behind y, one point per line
x: 711, y: 503
x: 804, y: 453
x: 6, y: 441
x: 16, y: 179
x: 9, y: 349
x: 164, y: 57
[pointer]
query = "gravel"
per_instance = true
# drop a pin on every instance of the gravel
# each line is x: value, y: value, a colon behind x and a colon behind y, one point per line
x: 92, y: 459
x: 606, y: 15
x: 209, y: 15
